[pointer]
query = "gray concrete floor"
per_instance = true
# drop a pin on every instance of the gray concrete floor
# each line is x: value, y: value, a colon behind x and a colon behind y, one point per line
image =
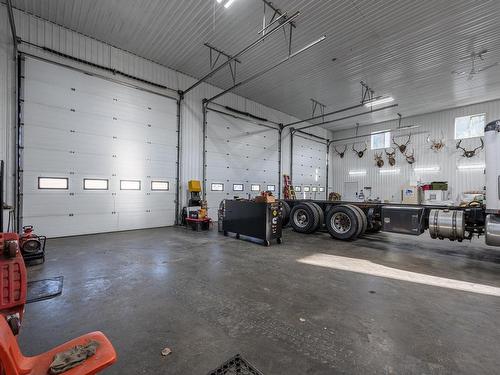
x: 208, y: 297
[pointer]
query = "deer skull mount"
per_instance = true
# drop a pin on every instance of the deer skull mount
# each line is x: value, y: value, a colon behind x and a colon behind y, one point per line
x: 340, y: 153
x: 379, y: 160
x: 470, y: 153
x: 360, y: 153
x: 410, y: 158
x: 402, y: 146
x: 391, y: 157
x: 436, y: 144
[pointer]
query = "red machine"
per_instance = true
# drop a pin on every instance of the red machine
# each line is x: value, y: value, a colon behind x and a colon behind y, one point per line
x: 13, y: 281
x: 32, y: 245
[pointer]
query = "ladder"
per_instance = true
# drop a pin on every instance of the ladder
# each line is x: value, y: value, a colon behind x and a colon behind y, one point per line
x: 288, y: 191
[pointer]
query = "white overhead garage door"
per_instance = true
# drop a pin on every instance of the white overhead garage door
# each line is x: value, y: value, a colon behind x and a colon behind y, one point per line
x: 242, y: 159
x: 309, y: 167
x: 98, y: 156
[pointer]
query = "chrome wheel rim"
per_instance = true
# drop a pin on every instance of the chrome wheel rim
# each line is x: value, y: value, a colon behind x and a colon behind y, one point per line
x: 340, y: 222
x: 300, y: 218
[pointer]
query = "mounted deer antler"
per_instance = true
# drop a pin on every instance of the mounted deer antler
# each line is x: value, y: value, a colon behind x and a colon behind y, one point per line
x: 402, y: 146
x: 469, y: 153
x: 340, y: 153
x: 436, y: 145
x: 360, y: 153
x: 410, y: 158
x: 380, y: 161
x: 391, y: 157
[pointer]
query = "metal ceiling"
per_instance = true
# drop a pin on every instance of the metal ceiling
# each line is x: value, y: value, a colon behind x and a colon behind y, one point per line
x: 404, y: 48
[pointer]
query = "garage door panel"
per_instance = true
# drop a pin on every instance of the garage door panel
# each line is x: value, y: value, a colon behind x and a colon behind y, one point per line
x: 115, y: 133
x: 243, y: 151
x: 238, y: 175
x: 309, y: 167
x: 245, y: 141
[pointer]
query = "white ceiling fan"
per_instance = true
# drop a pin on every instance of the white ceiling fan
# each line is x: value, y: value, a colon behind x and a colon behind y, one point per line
x: 474, y: 57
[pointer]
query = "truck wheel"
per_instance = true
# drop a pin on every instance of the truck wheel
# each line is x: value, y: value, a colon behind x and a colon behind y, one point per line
x: 342, y: 222
x: 304, y: 218
x: 364, y: 219
x: 320, y: 213
x: 285, y: 214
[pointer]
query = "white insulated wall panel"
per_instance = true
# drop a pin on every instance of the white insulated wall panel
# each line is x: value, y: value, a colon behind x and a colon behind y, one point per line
x: 239, y: 152
x: 387, y: 186
x: 78, y: 126
x: 309, y: 167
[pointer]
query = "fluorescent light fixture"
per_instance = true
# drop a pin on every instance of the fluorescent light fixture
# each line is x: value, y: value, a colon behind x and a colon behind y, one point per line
x: 228, y: 4
x: 427, y: 169
x: 375, y: 102
x: 219, y: 1
x: 357, y: 173
x: 390, y: 171
x: 471, y: 166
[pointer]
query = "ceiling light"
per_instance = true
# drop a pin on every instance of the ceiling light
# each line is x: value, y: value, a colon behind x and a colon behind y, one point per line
x: 375, y: 102
x: 427, y: 169
x: 219, y: 1
x: 471, y: 166
x: 357, y: 173
x: 228, y: 4
x: 389, y: 171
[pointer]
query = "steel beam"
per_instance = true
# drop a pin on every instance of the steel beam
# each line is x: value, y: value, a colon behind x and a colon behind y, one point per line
x: 262, y: 72
x: 350, y: 116
x: 12, y: 26
x: 324, y: 115
x: 244, y: 50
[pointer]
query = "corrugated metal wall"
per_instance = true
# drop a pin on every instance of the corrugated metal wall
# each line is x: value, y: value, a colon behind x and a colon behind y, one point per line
x: 387, y: 185
x: 44, y: 33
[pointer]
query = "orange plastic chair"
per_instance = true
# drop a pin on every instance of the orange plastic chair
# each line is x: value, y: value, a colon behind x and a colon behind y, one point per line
x: 14, y: 363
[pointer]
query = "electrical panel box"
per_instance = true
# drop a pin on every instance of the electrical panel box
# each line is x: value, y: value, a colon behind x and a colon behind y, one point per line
x: 406, y: 220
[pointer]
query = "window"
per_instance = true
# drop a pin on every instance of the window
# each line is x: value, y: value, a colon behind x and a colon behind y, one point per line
x: 238, y: 187
x: 54, y: 183
x: 314, y: 189
x: 130, y: 185
x: 255, y: 188
x: 298, y: 188
x: 307, y: 189
x: 160, y: 185
x: 217, y: 186
x: 95, y: 184
x: 470, y: 126
x: 381, y: 140
x: 321, y: 189
x: 271, y: 187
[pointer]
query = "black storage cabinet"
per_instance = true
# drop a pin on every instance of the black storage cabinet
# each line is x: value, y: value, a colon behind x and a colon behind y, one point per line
x: 405, y: 220
x: 258, y: 220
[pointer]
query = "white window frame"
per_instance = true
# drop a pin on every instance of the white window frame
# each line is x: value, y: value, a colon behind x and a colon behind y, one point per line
x: 216, y: 185
x: 130, y: 188
x: 314, y: 189
x: 44, y: 178
x: 471, y: 132
x: 85, y: 180
x: 271, y: 187
x: 321, y: 189
x: 298, y: 189
x: 242, y: 187
x: 255, y: 187
x: 306, y: 189
x: 386, y: 134
x: 153, y: 188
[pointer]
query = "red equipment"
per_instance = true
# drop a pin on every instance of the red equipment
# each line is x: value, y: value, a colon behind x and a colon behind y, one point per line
x: 13, y: 281
x: 32, y: 245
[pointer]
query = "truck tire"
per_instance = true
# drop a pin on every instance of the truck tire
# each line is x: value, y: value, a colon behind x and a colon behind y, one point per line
x: 342, y: 222
x: 285, y: 214
x: 363, y: 219
x: 304, y: 218
x: 320, y: 213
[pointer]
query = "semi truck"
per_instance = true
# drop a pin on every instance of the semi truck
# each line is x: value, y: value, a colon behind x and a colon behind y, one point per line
x: 349, y: 220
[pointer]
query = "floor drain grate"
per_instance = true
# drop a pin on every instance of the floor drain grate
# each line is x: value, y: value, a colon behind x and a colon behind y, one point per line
x: 237, y: 366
